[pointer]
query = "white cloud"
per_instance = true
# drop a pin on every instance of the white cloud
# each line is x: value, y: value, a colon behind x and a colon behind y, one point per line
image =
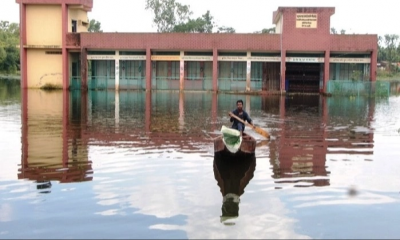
x: 6, y: 212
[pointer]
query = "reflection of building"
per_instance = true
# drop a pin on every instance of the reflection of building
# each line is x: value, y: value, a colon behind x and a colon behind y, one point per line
x: 152, y: 119
x: 62, y: 53
x: 57, y: 135
x: 52, y: 145
x: 233, y: 175
x: 308, y: 137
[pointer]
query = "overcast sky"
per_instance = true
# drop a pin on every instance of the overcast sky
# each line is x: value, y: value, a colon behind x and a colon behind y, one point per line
x: 354, y: 16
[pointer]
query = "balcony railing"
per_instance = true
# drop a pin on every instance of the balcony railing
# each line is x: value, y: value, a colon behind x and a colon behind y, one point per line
x: 73, y: 40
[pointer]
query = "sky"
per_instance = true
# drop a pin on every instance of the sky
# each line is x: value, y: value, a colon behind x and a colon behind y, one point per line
x: 354, y: 16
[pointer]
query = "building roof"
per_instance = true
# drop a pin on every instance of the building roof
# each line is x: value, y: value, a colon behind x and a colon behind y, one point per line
x: 276, y: 14
x: 87, y: 4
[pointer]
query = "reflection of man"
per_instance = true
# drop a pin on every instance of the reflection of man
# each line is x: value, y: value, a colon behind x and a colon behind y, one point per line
x: 230, y: 207
x: 43, y: 185
x: 232, y: 174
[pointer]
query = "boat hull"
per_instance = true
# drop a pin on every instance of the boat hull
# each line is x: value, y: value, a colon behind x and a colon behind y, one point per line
x: 248, y: 146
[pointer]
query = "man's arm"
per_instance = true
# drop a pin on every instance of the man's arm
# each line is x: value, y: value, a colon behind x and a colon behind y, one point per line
x: 247, y: 118
x: 232, y: 119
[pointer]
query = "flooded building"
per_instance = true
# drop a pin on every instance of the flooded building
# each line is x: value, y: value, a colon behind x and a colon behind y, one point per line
x: 301, y: 56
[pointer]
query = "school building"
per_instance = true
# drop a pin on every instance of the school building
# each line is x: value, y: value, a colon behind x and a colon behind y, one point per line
x: 302, y: 56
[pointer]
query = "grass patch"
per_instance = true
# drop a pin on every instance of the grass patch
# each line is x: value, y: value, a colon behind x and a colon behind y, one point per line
x: 50, y: 87
x: 384, y: 75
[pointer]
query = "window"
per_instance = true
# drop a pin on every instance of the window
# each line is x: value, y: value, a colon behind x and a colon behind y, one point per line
x: 193, y: 69
x: 74, y: 26
x: 239, y: 71
x: 175, y: 73
x: 54, y: 52
x: 256, y: 71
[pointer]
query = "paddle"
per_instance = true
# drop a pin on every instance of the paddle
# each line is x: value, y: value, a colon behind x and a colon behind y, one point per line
x: 256, y: 129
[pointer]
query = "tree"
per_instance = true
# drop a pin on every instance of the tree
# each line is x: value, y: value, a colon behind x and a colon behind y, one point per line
x: 168, y: 14
x: 391, y: 43
x: 3, y: 55
x: 209, y: 23
x: 266, y: 30
x: 11, y: 62
x: 224, y: 29
x: 398, y: 54
x: 334, y: 31
x: 94, y: 26
x: 205, y: 24
x: 381, y: 50
x: 9, y: 53
x: 172, y: 16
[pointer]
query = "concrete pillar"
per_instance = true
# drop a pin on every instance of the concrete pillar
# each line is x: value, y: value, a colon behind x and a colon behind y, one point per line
x: 65, y: 74
x: 65, y: 123
x: 147, y: 124
x: 283, y: 71
x: 248, y: 110
x: 374, y: 56
x: 116, y: 70
x: 23, y: 51
x: 248, y: 72
x: 116, y: 111
x: 215, y: 70
x: 84, y: 69
x: 64, y: 31
x: 182, y: 72
x: 326, y: 71
x: 154, y: 75
x: 149, y: 68
x: 214, y: 110
x: 181, y: 119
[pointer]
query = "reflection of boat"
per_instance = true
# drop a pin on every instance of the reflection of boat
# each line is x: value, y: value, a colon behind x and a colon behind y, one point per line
x: 233, y: 174
x: 231, y: 143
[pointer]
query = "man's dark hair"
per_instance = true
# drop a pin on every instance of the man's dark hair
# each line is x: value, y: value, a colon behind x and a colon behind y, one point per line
x: 239, y: 101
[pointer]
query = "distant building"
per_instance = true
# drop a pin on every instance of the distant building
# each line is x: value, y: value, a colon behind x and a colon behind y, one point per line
x: 302, y: 56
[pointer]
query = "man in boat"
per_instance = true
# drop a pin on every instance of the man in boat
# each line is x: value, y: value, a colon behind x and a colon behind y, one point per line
x: 241, y: 114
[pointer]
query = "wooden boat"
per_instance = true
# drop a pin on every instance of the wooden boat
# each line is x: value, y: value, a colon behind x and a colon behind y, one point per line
x: 247, y: 146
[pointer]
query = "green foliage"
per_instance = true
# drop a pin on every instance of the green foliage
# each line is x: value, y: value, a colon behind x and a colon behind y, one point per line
x: 94, y: 26
x: 389, y: 51
x: 356, y: 75
x: 168, y: 14
x: 224, y: 29
x: 266, y: 30
x: 387, y: 75
x: 3, y: 55
x: 51, y: 87
x: 391, y: 56
x: 9, y: 52
x: 333, y: 31
x: 203, y: 24
x: 172, y: 16
x: 11, y: 62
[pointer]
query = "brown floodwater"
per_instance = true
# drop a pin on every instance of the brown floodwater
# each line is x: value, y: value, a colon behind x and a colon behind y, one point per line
x: 133, y: 164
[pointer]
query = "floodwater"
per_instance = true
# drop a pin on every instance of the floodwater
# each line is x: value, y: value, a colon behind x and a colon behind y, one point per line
x: 141, y: 165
